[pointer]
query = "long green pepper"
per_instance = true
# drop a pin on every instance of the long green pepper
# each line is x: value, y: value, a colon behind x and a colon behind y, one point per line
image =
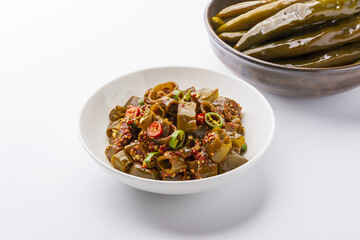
x: 330, y: 35
x: 296, y: 15
x: 339, y: 56
x: 251, y: 18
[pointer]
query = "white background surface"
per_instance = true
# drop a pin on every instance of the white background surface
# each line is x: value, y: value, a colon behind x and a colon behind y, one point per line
x: 54, y: 54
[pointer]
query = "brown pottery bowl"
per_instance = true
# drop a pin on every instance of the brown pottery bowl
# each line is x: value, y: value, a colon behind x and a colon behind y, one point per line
x: 278, y: 79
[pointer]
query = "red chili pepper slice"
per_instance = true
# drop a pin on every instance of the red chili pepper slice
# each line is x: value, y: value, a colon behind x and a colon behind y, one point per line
x: 155, y: 129
x: 200, y: 119
x: 132, y: 112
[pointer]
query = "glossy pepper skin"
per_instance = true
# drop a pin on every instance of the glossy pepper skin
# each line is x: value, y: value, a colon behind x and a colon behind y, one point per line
x: 218, y: 144
x: 149, y: 116
x: 204, y: 170
x: 186, y: 117
x: 240, y: 8
x: 117, y: 113
x: 158, y: 110
x: 296, y: 15
x: 113, y: 128
x: 139, y: 171
x: 251, y: 18
x: 232, y: 37
x: 171, y: 164
x: 136, y: 151
x: 329, y: 36
x: 122, y: 161
x: 120, y: 130
x: 227, y: 107
x: 339, y: 56
x: 206, y: 94
x: 232, y: 161
x: 216, y: 22
x: 237, y: 140
x: 111, y: 150
x: 161, y: 90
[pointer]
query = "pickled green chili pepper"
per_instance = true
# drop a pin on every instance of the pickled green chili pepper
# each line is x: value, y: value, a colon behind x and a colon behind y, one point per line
x: 117, y: 113
x: 244, y: 147
x: 213, y: 119
x: 186, y: 117
x: 177, y: 139
x: 148, y: 158
x: 122, y: 161
x: 339, y: 56
x: 141, y: 102
x: 158, y: 91
x: 216, y: 22
x: 177, y: 94
x: 240, y: 8
x: 171, y: 164
x: 217, y: 144
x: 207, y: 94
x: 328, y: 36
x: 139, y: 171
x: 251, y: 18
x: 237, y: 140
x: 231, y: 37
x: 232, y: 161
x: 298, y: 14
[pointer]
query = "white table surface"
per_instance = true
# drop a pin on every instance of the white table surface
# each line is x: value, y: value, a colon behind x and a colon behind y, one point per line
x: 54, y: 54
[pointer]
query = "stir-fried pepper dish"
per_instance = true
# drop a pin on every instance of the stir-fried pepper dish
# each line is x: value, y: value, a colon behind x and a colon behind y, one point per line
x: 174, y: 135
x: 300, y: 33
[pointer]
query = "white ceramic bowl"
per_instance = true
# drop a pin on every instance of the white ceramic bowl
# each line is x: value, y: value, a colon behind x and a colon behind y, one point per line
x: 258, y: 120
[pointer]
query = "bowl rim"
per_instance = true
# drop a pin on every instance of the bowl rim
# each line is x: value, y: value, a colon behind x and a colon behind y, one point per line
x: 214, y: 36
x: 255, y: 158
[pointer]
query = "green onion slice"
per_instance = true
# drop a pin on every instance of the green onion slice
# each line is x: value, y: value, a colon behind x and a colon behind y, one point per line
x: 187, y: 96
x: 141, y: 102
x: 244, y: 147
x: 213, y: 119
x: 148, y: 158
x: 177, y: 94
x: 177, y: 139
